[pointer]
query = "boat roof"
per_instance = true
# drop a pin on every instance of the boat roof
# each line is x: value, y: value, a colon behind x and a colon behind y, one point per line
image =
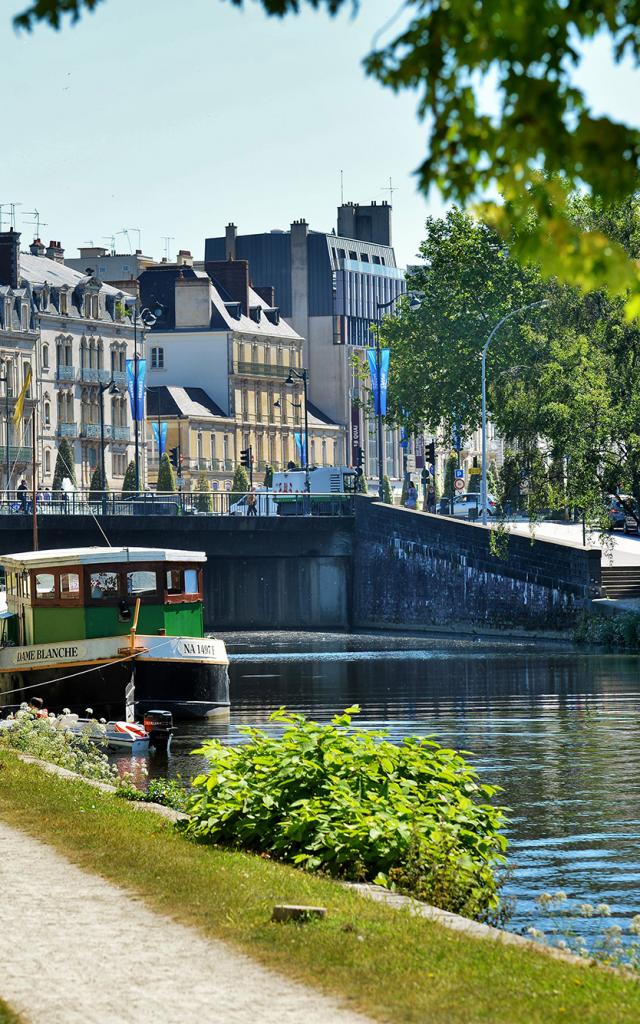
x: 96, y: 556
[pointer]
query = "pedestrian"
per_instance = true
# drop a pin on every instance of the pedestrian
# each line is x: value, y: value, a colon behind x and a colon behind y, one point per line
x: 412, y: 496
x: 252, y: 509
x: 431, y: 499
x: 22, y: 494
x: 46, y: 496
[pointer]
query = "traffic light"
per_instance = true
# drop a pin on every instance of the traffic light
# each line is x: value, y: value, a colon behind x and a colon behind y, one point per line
x: 245, y: 457
x: 430, y: 453
x: 174, y: 457
x: 359, y: 458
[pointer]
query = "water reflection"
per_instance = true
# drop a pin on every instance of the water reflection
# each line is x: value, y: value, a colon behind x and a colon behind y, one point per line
x: 557, y: 729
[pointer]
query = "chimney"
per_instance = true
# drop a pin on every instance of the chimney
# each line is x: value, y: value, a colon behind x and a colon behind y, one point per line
x: 233, y: 277
x: 55, y: 252
x: 185, y: 259
x: 36, y: 248
x: 231, y: 233
x: 266, y: 292
x: 10, y: 257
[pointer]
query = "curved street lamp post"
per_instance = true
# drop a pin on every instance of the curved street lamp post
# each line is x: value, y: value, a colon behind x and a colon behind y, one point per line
x: 303, y: 375
x: 514, y: 312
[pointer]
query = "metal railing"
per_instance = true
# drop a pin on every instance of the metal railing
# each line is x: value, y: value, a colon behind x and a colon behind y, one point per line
x: 67, y: 429
x: 20, y: 454
x: 173, y: 503
x: 65, y: 373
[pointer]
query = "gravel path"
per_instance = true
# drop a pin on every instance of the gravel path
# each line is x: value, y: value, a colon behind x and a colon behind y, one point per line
x: 75, y: 949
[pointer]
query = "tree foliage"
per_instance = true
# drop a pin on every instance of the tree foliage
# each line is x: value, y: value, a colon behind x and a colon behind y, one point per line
x: 204, y: 499
x: 240, y: 483
x: 65, y: 465
x: 129, y: 482
x: 166, y: 476
x: 387, y: 494
x: 542, y: 136
x: 98, y: 485
x: 563, y: 380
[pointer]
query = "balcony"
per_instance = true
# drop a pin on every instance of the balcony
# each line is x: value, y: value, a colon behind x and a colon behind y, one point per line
x: 91, y: 375
x: 120, y: 433
x: 91, y: 431
x: 119, y: 378
x: 67, y: 429
x: 262, y: 370
x: 65, y: 373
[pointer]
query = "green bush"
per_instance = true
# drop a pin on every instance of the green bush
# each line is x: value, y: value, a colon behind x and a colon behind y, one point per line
x: 610, y: 631
x: 348, y: 802
x: 166, y: 476
x: 129, y: 482
x: 204, y: 499
x: 98, y: 485
x: 65, y: 465
x: 40, y: 737
x: 387, y: 495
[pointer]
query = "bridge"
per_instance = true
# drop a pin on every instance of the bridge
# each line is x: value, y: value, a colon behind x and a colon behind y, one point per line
x: 375, y: 567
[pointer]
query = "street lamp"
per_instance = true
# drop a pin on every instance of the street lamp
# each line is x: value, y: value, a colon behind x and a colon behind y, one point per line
x: 514, y: 312
x: 303, y: 375
x: 5, y: 380
x: 113, y: 389
x: 147, y: 319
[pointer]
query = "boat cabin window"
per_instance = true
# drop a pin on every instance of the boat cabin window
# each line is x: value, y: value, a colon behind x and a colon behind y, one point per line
x: 69, y: 586
x: 45, y: 586
x: 174, y: 581
x: 141, y: 581
x: 191, y: 581
x: 103, y: 585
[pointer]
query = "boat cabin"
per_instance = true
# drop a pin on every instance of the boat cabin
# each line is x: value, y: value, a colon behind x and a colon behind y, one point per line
x: 78, y: 593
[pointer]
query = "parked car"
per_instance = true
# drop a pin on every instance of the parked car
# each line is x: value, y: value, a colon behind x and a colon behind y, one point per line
x: 469, y: 506
x: 631, y: 515
x: 616, y: 510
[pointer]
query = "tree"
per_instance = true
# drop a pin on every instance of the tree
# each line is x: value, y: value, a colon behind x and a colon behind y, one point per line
x: 98, y: 485
x: 475, y: 481
x: 240, y: 484
x: 362, y: 487
x: 540, y: 128
x: 268, y: 477
x: 204, y: 500
x: 387, y: 495
x: 129, y: 482
x: 65, y: 465
x: 166, y: 477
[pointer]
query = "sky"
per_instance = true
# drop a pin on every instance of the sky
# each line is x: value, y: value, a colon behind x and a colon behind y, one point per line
x: 175, y: 118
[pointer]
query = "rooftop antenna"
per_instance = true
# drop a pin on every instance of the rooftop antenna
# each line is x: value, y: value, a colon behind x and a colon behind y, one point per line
x: 90, y: 242
x: 390, y: 188
x: 341, y: 188
x: 36, y: 220
x: 167, y: 239
x: 126, y: 232
x: 112, y: 241
x: 139, y: 234
x: 12, y: 214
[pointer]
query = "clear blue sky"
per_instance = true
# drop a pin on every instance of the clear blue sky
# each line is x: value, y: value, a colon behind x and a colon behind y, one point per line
x: 177, y: 116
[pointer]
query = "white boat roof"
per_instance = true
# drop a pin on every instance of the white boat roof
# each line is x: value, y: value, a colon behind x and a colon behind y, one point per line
x: 96, y: 556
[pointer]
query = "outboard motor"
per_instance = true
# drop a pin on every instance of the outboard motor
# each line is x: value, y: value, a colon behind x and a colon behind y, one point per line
x: 159, y: 725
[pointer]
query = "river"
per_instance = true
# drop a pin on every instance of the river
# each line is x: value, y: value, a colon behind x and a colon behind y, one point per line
x: 558, y: 729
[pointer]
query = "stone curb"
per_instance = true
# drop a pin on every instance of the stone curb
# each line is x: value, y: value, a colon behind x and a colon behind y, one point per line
x: 65, y: 773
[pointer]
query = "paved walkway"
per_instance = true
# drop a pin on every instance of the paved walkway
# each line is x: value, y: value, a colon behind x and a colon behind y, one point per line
x: 75, y: 949
x: 617, y: 548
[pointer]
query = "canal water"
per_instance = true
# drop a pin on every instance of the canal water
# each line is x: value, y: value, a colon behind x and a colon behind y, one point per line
x: 558, y: 729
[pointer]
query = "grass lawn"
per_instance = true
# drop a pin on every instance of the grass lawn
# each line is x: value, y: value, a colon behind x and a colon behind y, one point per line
x: 391, y: 965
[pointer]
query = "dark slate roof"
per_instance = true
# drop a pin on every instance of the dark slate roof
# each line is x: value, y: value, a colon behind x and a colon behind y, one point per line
x: 175, y: 401
x: 318, y: 414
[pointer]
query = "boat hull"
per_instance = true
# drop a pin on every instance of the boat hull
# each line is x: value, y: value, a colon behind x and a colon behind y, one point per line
x: 179, y: 674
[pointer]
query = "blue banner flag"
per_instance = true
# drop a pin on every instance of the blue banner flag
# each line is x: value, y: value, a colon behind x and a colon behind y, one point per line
x: 160, y: 436
x: 135, y: 388
x: 379, y: 392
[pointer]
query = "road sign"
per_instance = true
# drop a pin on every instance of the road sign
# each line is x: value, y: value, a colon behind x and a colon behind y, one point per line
x: 459, y: 474
x: 475, y: 471
x: 459, y: 485
x: 180, y: 481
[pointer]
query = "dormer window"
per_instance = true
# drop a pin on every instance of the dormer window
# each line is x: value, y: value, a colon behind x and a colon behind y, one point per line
x: 8, y: 314
x: 64, y: 304
x: 25, y: 317
x: 255, y: 312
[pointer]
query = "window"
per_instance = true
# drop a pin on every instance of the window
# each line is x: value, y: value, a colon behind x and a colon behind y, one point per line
x: 376, y: 259
x: 26, y: 367
x: 64, y: 304
x: 364, y: 257
x: 45, y: 585
x: 157, y: 359
x: 47, y: 414
x: 141, y: 581
x: 174, y: 581
x: 191, y: 581
x: 103, y: 585
x: 353, y: 255
x: 45, y: 357
x: 47, y: 461
x: 25, y: 317
x: 69, y: 586
x: 342, y: 254
x: 119, y: 463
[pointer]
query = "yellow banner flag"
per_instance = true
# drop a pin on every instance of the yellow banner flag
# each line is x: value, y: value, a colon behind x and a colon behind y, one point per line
x: 17, y: 412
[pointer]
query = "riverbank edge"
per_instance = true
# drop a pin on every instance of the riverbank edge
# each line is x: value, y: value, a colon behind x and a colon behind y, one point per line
x: 366, y: 890
x: 388, y: 962
x: 466, y: 630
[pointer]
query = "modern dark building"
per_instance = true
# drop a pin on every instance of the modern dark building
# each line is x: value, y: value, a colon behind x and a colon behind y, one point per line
x: 330, y: 286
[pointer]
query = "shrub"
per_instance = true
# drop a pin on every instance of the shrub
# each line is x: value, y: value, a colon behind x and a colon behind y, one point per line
x: 387, y: 495
x: 129, y: 482
x: 204, y: 499
x: 348, y: 802
x: 65, y: 465
x: 240, y: 484
x: 168, y: 792
x: 98, y: 484
x: 166, y: 476
x: 611, y: 631
x: 40, y: 737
